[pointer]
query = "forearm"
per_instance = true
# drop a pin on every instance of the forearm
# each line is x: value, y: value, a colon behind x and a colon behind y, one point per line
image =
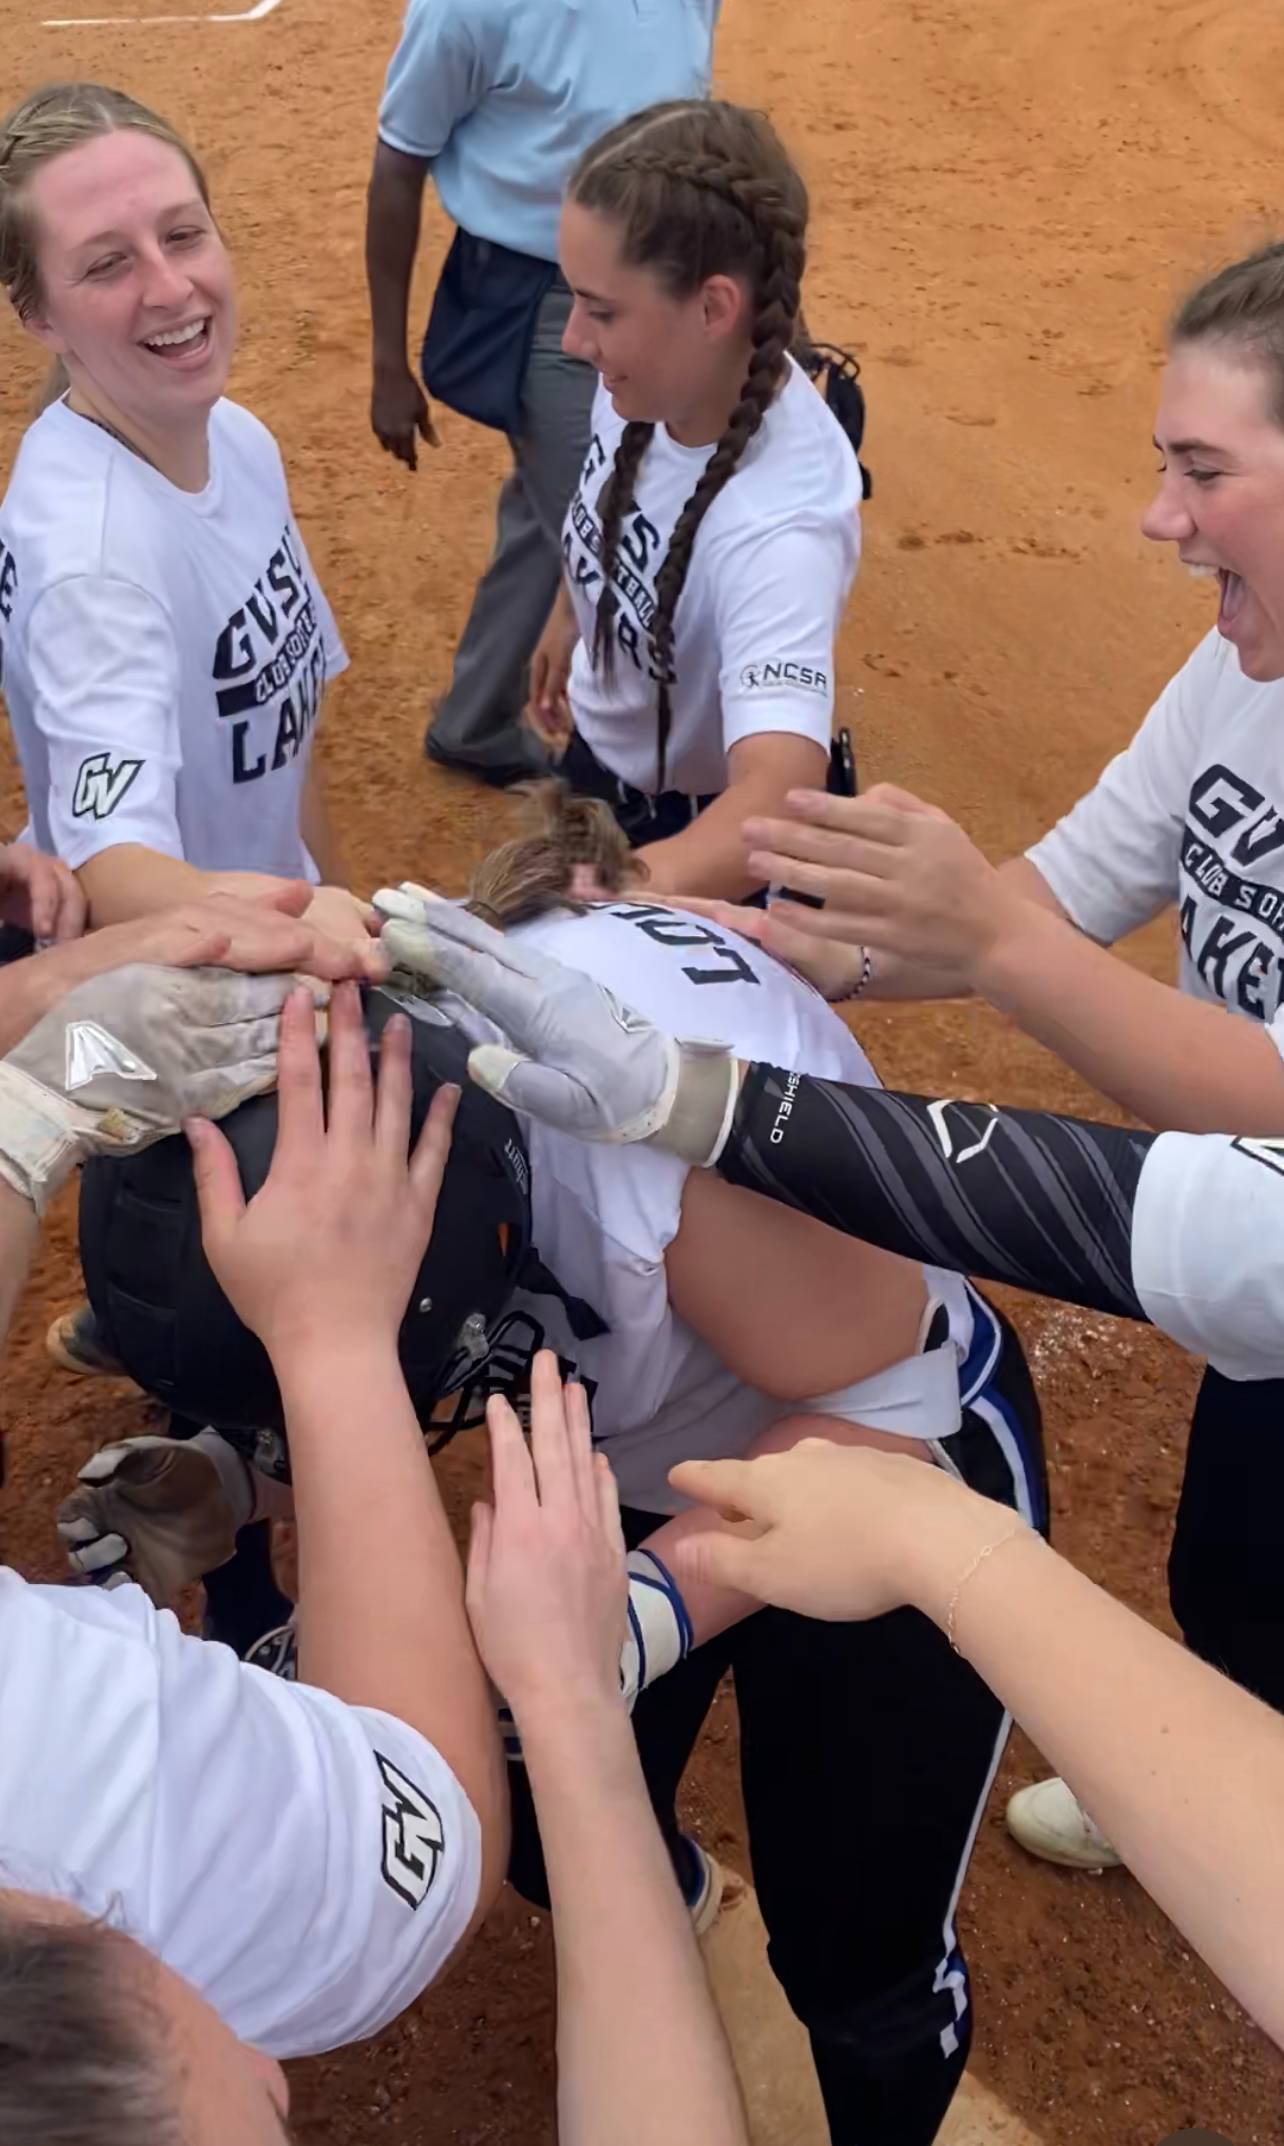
x: 381, y: 1600
x: 708, y: 857
x: 130, y: 880
x: 620, y: 1928
x: 393, y: 210
x: 1043, y: 1202
x: 1174, y: 1061
x: 1182, y: 1769
x: 19, y: 1229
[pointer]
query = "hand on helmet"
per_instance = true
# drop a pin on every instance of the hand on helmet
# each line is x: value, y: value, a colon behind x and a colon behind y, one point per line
x: 569, y: 1053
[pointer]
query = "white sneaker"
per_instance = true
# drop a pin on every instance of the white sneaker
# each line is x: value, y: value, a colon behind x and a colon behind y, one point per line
x: 705, y: 1898
x: 1049, y: 1820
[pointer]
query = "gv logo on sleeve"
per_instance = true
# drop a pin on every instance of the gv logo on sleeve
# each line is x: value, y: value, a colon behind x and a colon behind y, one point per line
x: 413, y: 1840
x: 101, y: 782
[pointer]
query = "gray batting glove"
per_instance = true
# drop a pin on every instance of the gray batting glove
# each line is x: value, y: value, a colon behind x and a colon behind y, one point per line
x: 569, y: 1053
x: 162, y: 1511
x: 124, y: 1058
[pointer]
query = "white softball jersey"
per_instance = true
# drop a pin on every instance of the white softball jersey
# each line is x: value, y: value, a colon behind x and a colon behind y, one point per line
x: 604, y: 1215
x: 770, y: 572
x: 308, y: 1866
x: 163, y: 653
x: 1192, y: 812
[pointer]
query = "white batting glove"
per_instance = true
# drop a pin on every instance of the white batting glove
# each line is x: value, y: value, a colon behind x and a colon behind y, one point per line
x: 162, y: 1511
x: 571, y: 1055
x: 124, y: 1058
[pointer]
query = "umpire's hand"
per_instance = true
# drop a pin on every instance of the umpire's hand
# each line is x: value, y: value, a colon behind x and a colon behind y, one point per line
x: 399, y: 414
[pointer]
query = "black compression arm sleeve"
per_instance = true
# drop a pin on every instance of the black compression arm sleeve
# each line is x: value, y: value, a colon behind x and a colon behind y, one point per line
x: 1016, y: 1196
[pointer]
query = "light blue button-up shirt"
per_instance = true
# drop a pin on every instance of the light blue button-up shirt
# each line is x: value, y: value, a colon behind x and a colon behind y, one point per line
x: 503, y: 96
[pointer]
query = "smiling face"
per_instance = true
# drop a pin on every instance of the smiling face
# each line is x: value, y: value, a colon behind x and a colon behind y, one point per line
x: 136, y: 293
x: 659, y: 355
x: 1221, y: 493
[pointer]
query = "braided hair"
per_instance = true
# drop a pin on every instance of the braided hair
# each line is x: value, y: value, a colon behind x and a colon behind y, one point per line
x: 697, y: 189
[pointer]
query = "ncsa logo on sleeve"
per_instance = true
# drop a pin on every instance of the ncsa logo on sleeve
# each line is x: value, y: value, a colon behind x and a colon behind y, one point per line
x: 762, y: 677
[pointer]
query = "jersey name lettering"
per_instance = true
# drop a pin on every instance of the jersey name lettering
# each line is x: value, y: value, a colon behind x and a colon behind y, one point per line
x: 667, y: 928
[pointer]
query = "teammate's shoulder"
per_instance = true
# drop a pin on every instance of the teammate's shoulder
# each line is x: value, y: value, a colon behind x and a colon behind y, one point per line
x: 799, y: 466
x: 82, y: 506
x: 234, y: 427
x: 61, y: 478
x: 1211, y: 688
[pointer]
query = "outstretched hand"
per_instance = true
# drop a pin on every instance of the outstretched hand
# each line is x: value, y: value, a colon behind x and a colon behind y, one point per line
x: 334, y: 1238
x: 833, y: 1531
x: 569, y: 1053
x: 894, y: 874
x: 547, y: 1587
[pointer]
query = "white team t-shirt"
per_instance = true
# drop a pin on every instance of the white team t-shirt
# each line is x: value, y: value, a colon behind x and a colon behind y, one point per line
x: 307, y: 1865
x: 603, y: 1216
x: 755, y: 626
x: 162, y: 653
x: 1191, y: 811
x: 1208, y: 1248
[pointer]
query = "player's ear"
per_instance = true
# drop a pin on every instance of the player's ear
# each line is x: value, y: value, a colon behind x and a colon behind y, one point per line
x: 724, y: 307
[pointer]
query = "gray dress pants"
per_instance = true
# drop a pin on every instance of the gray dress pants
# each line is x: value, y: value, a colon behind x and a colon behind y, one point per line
x: 478, y: 719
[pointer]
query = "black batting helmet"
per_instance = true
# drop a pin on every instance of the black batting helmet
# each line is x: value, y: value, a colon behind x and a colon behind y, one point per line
x: 166, y: 1319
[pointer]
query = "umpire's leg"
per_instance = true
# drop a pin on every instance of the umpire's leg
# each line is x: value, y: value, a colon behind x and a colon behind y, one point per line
x: 868, y: 1752
x: 478, y: 719
x: 1225, y: 1576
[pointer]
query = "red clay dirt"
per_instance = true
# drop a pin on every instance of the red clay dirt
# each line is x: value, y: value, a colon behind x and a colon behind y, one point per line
x: 1007, y: 198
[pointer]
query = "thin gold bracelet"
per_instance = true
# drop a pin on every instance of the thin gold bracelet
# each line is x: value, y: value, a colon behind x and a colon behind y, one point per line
x: 974, y: 1565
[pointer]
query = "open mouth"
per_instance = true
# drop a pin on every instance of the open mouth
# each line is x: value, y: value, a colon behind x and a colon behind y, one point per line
x: 186, y: 344
x: 1234, y: 591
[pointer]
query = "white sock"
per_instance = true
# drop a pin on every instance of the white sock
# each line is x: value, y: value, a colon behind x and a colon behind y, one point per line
x: 659, y: 1631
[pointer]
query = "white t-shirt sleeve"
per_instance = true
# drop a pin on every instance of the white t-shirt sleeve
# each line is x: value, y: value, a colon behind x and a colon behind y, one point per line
x: 1113, y: 861
x: 106, y: 688
x: 308, y: 1866
x: 1208, y: 1248
x: 780, y: 600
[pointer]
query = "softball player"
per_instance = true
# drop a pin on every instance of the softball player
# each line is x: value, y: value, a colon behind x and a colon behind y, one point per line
x: 715, y: 531
x: 704, y: 1329
x: 1189, y: 815
x: 134, y: 1757
x: 165, y: 642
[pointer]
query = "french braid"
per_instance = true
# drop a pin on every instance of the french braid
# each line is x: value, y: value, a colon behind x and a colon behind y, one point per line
x: 613, y: 503
x: 700, y: 190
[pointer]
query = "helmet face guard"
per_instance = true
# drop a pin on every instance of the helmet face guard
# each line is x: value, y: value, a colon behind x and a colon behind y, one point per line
x: 167, y: 1320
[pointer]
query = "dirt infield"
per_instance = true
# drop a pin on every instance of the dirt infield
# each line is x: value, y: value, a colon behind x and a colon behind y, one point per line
x: 1007, y: 196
